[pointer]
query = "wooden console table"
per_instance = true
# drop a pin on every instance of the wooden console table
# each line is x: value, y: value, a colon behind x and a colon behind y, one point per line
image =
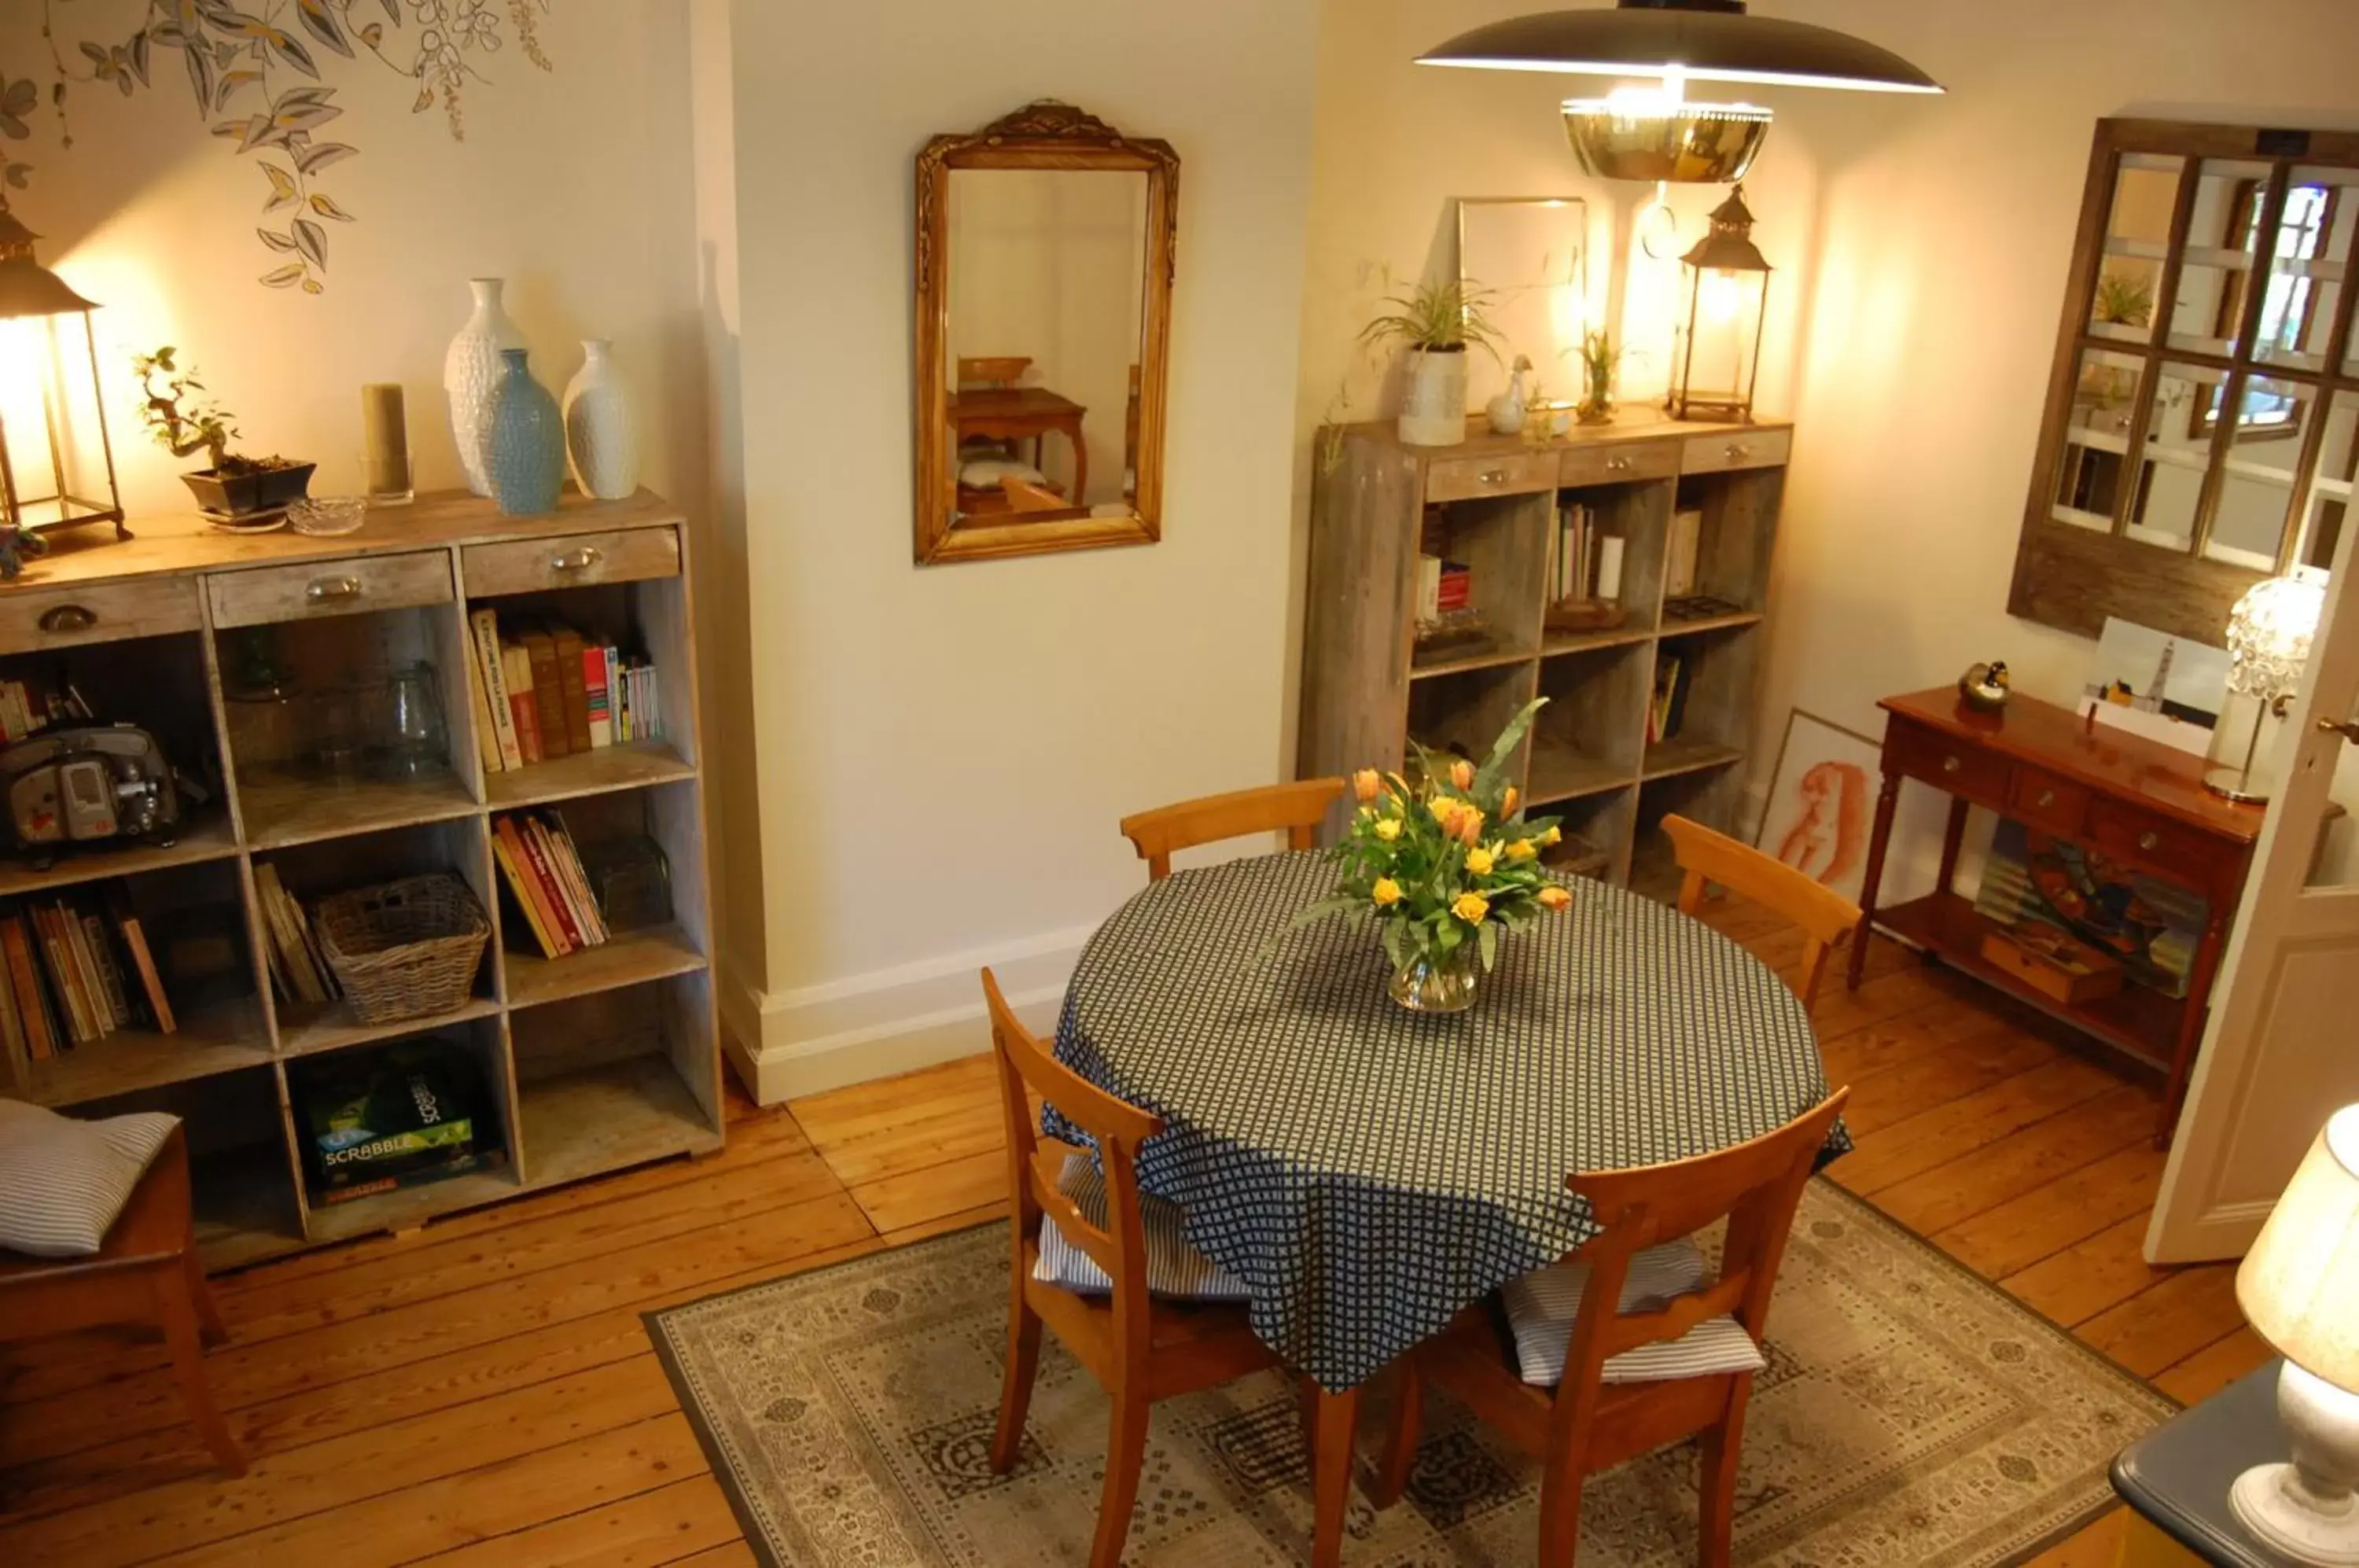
x: 2134, y: 802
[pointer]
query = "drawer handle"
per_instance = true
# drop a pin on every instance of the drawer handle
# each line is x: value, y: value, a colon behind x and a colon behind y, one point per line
x: 590, y: 555
x: 1617, y: 466
x: 1739, y: 451
x: 1950, y: 764
x: 329, y: 590
x: 69, y: 618
x: 2149, y: 841
x: 2047, y: 798
x: 1493, y: 476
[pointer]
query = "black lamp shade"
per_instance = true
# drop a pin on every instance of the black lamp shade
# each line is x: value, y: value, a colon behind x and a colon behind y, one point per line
x: 1709, y: 40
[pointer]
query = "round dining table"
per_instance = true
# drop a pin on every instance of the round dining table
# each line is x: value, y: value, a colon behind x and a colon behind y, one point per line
x: 1367, y: 1172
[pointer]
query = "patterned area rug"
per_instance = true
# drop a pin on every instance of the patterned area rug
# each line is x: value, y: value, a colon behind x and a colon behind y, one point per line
x: 1911, y: 1414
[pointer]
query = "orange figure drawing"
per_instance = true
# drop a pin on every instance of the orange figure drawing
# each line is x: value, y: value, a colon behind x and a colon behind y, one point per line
x: 1831, y: 833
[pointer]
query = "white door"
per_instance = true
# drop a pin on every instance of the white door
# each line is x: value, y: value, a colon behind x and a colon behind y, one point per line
x: 2282, y: 1051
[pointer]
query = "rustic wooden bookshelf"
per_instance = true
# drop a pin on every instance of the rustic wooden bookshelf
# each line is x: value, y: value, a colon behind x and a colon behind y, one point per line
x: 1367, y: 689
x: 603, y: 1059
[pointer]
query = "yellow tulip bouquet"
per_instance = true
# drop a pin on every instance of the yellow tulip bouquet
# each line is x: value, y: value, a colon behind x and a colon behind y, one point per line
x: 1443, y: 867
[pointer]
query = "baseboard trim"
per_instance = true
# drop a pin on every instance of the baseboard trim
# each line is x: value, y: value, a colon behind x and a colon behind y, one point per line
x: 804, y: 1041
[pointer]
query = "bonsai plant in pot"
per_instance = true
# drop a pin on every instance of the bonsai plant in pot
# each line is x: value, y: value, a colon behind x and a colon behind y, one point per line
x: 1436, y: 321
x: 232, y: 488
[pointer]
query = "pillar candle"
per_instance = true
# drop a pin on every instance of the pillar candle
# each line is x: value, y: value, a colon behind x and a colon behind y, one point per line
x: 385, y: 438
x: 1609, y: 567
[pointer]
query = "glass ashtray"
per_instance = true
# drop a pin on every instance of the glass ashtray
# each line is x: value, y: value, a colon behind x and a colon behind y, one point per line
x: 326, y: 516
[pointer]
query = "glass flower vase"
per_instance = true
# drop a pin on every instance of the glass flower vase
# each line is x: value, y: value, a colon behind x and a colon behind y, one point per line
x: 1441, y: 985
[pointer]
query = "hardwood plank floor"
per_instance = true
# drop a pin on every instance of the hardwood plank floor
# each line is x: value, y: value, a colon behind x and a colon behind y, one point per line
x: 482, y: 1391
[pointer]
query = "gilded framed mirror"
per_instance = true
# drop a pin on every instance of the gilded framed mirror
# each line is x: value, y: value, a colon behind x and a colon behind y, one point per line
x: 1047, y: 247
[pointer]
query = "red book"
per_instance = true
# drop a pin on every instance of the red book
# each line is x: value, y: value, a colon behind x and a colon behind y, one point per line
x: 25, y: 980
x: 530, y: 833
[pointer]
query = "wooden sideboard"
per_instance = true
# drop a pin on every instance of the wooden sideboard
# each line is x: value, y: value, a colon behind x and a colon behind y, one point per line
x: 2136, y: 802
x: 604, y: 1058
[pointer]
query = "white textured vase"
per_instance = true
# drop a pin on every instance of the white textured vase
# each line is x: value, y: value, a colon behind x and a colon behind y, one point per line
x: 470, y: 371
x: 602, y: 428
x: 1433, y: 413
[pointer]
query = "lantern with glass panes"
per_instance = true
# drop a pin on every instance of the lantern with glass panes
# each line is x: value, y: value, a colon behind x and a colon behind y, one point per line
x: 56, y: 469
x: 1725, y: 297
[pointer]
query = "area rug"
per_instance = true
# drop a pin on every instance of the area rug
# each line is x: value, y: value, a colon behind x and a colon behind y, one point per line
x: 1911, y: 1414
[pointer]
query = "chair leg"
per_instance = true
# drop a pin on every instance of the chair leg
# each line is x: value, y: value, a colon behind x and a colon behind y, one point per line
x: 1560, y: 1516
x: 209, y: 1321
x: 1400, y: 1448
x: 1126, y: 1457
x: 1016, y: 1389
x: 1716, y: 1516
x: 178, y: 1308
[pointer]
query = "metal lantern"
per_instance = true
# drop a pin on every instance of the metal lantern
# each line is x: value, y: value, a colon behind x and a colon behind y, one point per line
x: 57, y: 467
x: 1724, y: 308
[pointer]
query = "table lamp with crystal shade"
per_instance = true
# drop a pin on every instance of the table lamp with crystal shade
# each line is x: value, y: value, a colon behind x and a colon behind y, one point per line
x: 2269, y: 635
x: 2299, y: 1290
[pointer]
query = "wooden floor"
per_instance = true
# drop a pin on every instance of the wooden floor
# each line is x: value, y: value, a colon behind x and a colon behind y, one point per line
x: 482, y: 1392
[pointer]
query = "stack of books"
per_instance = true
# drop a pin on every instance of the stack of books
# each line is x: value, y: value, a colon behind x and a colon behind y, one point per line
x: 542, y: 870
x: 298, y: 971
x: 1585, y: 561
x: 78, y: 969
x: 542, y: 690
x: 1669, y: 705
x: 1443, y: 587
x: 28, y: 710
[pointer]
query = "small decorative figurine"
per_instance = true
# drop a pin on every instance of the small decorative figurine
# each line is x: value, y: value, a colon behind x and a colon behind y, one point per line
x: 1508, y: 409
x: 16, y: 546
x: 1983, y: 686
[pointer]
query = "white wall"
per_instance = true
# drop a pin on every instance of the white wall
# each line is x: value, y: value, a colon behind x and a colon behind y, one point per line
x: 944, y: 752
x: 568, y: 184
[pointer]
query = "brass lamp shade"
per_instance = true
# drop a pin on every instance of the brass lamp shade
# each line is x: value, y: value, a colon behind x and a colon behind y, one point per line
x: 1684, y: 143
x: 57, y: 462
x: 1705, y: 40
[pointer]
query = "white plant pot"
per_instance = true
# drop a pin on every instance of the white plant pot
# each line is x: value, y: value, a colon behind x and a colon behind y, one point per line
x: 1433, y: 413
x: 470, y: 371
x: 602, y: 428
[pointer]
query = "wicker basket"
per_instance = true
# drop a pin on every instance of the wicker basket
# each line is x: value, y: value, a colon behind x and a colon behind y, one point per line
x: 404, y: 949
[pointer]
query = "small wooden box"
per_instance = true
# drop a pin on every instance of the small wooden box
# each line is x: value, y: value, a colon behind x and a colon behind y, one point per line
x: 2053, y: 963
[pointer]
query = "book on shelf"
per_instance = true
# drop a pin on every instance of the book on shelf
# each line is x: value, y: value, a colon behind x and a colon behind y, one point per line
x: 572, y: 686
x: 541, y: 867
x: 133, y: 932
x: 546, y: 690
x: 299, y: 970
x: 42, y: 1040
x: 1679, y: 560
x: 492, y: 677
x: 76, y: 969
x: 1668, y: 704
x: 596, y: 698
x: 479, y: 707
x: 548, y: 694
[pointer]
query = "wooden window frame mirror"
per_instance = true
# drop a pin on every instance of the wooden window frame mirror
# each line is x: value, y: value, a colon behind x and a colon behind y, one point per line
x: 2074, y: 575
x: 1042, y: 136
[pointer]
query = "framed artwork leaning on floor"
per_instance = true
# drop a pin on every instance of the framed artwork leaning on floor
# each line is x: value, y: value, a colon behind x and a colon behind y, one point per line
x: 1821, y: 800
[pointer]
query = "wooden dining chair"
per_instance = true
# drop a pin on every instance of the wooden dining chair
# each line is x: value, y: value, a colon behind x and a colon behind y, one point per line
x: 144, y: 1274
x: 1648, y: 1357
x: 1142, y: 1346
x: 1295, y: 810
x: 1825, y: 916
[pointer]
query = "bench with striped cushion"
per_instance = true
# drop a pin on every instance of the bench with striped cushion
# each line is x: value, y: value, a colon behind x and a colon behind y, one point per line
x: 1173, y: 1267
x: 62, y: 1182
x: 1542, y: 1304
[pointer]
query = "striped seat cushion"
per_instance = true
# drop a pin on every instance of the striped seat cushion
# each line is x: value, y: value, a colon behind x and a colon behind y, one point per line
x: 1173, y: 1267
x: 62, y: 1182
x: 1542, y: 1304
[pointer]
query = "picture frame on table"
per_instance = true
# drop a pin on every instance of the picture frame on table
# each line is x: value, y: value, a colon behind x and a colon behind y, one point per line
x: 1821, y: 802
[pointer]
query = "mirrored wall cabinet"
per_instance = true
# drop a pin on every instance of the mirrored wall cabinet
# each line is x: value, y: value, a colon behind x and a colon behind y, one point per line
x: 2205, y: 393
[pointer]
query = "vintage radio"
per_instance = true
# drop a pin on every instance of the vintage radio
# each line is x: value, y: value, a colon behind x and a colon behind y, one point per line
x: 87, y: 784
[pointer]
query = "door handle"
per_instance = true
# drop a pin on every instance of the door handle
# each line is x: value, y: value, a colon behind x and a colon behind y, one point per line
x: 2348, y: 729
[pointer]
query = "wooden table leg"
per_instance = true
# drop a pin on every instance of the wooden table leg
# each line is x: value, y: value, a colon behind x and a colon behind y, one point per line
x: 1878, y: 841
x: 1953, y: 841
x: 1331, y: 1463
x: 2199, y: 975
x: 1080, y: 462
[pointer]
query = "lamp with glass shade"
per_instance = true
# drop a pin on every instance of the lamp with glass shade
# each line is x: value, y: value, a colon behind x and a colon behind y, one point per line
x: 57, y: 466
x: 2269, y: 635
x: 2298, y: 1288
x: 1725, y: 300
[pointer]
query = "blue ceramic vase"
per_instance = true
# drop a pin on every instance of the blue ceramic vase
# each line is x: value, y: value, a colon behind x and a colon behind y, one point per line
x: 528, y: 444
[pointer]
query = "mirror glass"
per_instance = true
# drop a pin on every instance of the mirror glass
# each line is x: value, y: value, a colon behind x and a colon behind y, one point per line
x: 2138, y: 241
x: 2177, y: 450
x: 1042, y: 357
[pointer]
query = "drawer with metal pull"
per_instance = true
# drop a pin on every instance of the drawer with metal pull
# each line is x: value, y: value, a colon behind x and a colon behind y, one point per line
x: 1738, y: 449
x: 330, y: 588
x: 2171, y: 850
x: 1617, y: 464
x: 1951, y: 765
x: 569, y: 560
x: 35, y: 618
x: 2048, y: 802
x: 1465, y: 478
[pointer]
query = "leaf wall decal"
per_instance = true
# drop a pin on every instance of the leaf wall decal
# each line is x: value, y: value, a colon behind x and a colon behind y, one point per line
x: 312, y: 241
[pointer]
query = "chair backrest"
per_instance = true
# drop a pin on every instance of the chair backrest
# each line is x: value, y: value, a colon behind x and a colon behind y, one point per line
x: 1755, y: 1186
x: 1294, y: 809
x: 1034, y: 1163
x: 1824, y: 916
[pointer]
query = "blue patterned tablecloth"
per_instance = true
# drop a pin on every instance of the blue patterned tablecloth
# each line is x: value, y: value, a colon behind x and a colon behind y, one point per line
x: 1368, y: 1172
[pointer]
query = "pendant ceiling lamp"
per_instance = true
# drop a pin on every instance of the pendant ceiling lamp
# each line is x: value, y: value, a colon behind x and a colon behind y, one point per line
x: 1655, y: 133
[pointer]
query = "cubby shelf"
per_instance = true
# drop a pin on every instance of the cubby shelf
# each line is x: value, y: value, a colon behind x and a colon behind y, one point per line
x: 209, y: 837
x: 589, y: 1063
x: 1365, y: 692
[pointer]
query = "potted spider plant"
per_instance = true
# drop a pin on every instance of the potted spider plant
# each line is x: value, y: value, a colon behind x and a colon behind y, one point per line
x: 1436, y: 322
x: 233, y: 488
